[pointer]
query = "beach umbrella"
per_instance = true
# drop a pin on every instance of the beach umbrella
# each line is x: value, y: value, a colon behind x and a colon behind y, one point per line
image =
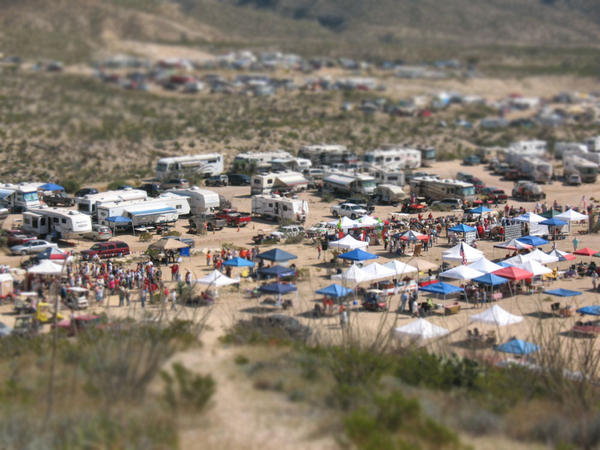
x: 585, y: 252
x: 462, y: 228
x: 496, y: 316
x: 480, y: 210
x: 534, y: 241
x: 421, y: 329
x: 354, y: 274
x: 554, y: 222
x: 51, y: 187
x: 441, y: 288
x: 277, y: 255
x: 490, y: 279
x: 277, y: 288
x: 376, y: 271
x: 562, y: 292
x: 513, y: 273
x: 358, y: 255
x: 277, y: 271
x: 46, y: 267
x: 562, y: 256
x: 517, y: 347
x: 484, y: 265
x: 514, y: 244
x: 335, y: 291
x: 348, y: 243
x: 238, y: 262
x: 593, y: 310
x: 400, y: 268
x: 461, y: 273
x: 217, y: 279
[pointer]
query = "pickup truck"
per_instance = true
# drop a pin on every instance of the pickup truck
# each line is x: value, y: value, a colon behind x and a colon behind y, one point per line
x: 349, y: 210
x: 58, y: 199
x: 234, y: 218
x: 494, y: 194
x: 212, y: 223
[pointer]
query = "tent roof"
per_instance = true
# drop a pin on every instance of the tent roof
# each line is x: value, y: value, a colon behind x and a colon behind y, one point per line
x: 441, y: 288
x: 593, y: 310
x: 354, y: 274
x: 461, y: 273
x: 571, y: 216
x: 367, y: 221
x: 517, y: 347
x: 358, y: 255
x: 118, y: 219
x: 470, y: 254
x: 422, y: 329
x: 535, y: 241
x: 335, y: 290
x: 513, y: 273
x: 560, y: 292
x: 238, y: 262
x: 377, y: 272
x: 462, y: 228
x: 496, y: 316
x: 168, y: 244
x: 541, y: 257
x: 277, y: 271
x: 530, y: 217
x: 534, y: 267
x: 491, y: 279
x: 277, y: 255
x: 278, y: 288
x: 51, y: 187
x: 514, y: 244
x: 348, y: 242
x: 413, y: 236
x: 343, y: 223
x: 585, y: 252
x: 562, y: 256
x: 46, y: 267
x: 484, y: 265
x: 480, y: 210
x: 554, y: 222
x: 217, y: 279
x: 400, y: 268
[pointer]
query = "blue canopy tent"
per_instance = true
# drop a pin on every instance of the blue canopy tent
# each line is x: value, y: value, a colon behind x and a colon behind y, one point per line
x: 517, y: 347
x: 593, y: 310
x: 335, y: 291
x: 277, y: 271
x: 536, y: 241
x: 238, y: 262
x: 358, y: 255
x: 480, y: 210
x: 441, y: 288
x: 119, y: 221
x: 562, y: 292
x: 553, y: 222
x: 462, y: 228
x: 277, y: 255
x: 278, y: 288
x: 51, y: 187
x: 491, y: 280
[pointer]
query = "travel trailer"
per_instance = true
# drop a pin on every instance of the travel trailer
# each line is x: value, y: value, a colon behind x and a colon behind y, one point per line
x: 389, y: 194
x: 279, y: 209
x: 593, y: 144
x: 207, y: 165
x: 20, y: 197
x: 328, y: 154
x: 383, y: 176
x: 560, y: 148
x: 575, y: 164
x: 346, y: 184
x: 163, y: 209
x: 89, y: 203
x: 64, y: 223
x: 200, y: 200
x: 535, y: 169
x: 278, y: 182
x: 393, y: 157
x: 440, y: 189
x: 258, y: 160
x: 295, y: 164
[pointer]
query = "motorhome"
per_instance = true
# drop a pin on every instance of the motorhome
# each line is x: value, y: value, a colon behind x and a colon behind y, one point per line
x: 258, y: 160
x: 206, y: 165
x: 575, y: 164
x: 266, y: 183
x: 295, y: 164
x: 393, y: 156
x: 89, y: 203
x: 20, y: 197
x: 383, y: 176
x: 346, y: 184
x: 279, y: 209
x: 535, y: 169
x: 427, y: 155
x: 328, y: 154
x: 593, y: 144
x: 163, y: 209
x: 560, y: 148
x: 521, y: 149
x: 440, y: 189
x: 200, y: 200
x: 63, y: 222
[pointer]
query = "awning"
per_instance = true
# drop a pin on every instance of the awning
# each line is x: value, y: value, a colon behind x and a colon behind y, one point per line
x: 152, y: 212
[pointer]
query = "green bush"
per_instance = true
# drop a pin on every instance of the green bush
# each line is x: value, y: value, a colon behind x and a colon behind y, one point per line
x: 185, y: 390
x: 70, y: 185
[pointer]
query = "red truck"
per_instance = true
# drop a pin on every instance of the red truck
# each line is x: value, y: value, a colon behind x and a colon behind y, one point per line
x: 234, y: 218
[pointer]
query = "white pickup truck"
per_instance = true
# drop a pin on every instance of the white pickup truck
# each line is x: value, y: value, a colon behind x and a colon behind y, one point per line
x: 349, y: 210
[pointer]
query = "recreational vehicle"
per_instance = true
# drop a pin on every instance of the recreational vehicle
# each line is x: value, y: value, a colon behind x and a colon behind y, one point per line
x: 383, y: 176
x: 90, y: 203
x: 575, y: 164
x: 207, y: 165
x: 258, y: 160
x: 280, y: 209
x: 278, y: 182
x: 62, y: 222
x: 163, y: 209
x: 296, y: 164
x: 440, y: 189
x: 20, y: 197
x: 200, y: 200
x: 345, y: 184
x: 390, y: 156
x: 593, y: 144
x: 561, y: 148
x: 327, y: 154
x: 535, y: 169
x: 389, y: 194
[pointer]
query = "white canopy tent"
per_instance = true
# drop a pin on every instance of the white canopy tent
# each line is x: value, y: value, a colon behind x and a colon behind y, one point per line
x: 377, y: 271
x: 455, y: 254
x: 421, y: 329
x: 534, y: 267
x: 514, y: 244
x: 366, y: 221
x: 217, y: 279
x: 541, y: 257
x: 484, y: 265
x: 400, y: 268
x: 348, y: 243
x: 571, y: 216
x: 496, y: 316
x: 345, y: 223
x: 461, y: 273
x: 354, y: 274
x: 530, y: 217
x: 46, y: 267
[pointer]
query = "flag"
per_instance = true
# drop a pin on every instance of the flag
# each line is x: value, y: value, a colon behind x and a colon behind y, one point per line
x: 462, y: 255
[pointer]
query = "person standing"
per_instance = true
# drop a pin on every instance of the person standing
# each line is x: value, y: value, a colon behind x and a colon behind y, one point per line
x: 595, y: 279
x: 173, y: 299
x: 143, y: 294
x: 319, y: 249
x: 188, y: 278
x: 403, y: 300
x: 575, y: 243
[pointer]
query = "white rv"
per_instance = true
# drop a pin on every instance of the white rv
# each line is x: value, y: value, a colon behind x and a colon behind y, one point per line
x: 593, y: 144
x: 295, y: 164
x: 535, y: 169
x: 347, y: 185
x: 279, y: 209
x: 20, y: 197
x: 518, y: 150
x: 281, y: 181
x: 441, y: 189
x: 393, y: 157
x: 66, y: 223
x: 90, y: 203
x: 206, y: 165
x: 259, y: 160
x: 575, y: 164
x: 327, y: 154
x: 561, y: 148
x: 165, y: 208
x: 200, y: 200
x: 383, y: 176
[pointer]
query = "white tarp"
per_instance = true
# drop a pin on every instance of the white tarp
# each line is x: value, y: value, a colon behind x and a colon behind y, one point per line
x: 348, y: 243
x: 353, y: 275
x: 484, y: 265
x: 421, y: 329
x: 400, y: 268
x: 470, y: 254
x: 496, y: 316
x: 461, y: 273
x: 376, y: 271
x: 217, y: 279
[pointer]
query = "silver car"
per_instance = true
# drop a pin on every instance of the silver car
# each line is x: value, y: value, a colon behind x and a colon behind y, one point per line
x: 98, y: 233
x: 31, y: 247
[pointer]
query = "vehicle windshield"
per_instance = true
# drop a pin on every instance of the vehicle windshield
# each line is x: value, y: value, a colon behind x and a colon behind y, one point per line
x: 161, y: 167
x: 31, y: 196
x: 95, y: 247
x: 369, y: 158
x: 466, y: 191
x: 368, y: 183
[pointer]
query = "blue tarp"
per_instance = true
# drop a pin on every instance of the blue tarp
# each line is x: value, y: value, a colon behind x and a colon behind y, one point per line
x: 358, y: 255
x: 480, y: 210
x: 490, y: 279
x: 118, y: 219
x: 277, y: 271
x: 277, y: 288
x: 462, y: 228
x: 536, y: 241
x: 150, y: 212
x: 553, y: 222
x: 441, y: 288
x: 277, y: 255
x: 335, y: 291
x: 593, y: 310
x: 184, y: 251
x: 517, y: 347
x: 238, y: 262
x: 51, y: 187
x: 562, y: 292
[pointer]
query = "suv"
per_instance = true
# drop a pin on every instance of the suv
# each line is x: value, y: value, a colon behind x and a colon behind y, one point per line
x: 448, y: 204
x: 217, y: 180
x: 106, y: 250
x: 98, y: 233
x: 86, y: 191
x: 175, y: 183
x: 59, y: 199
x: 152, y: 189
x: 286, y: 231
x: 238, y: 179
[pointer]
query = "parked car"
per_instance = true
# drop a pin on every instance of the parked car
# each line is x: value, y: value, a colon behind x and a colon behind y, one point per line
x: 287, y: 231
x: 238, y: 179
x: 98, y: 233
x: 472, y: 160
x: 31, y: 247
x: 175, y: 183
x: 217, y: 180
x: 85, y: 191
x: 349, y: 210
x: 58, y: 199
x: 18, y: 237
x: 106, y: 250
x: 152, y: 189
x: 234, y: 218
x: 198, y: 222
x: 364, y: 204
x: 494, y: 194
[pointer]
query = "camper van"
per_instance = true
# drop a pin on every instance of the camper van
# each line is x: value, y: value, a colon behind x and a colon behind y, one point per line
x: 383, y: 176
x: 440, y: 189
x: 347, y: 185
x: 89, y: 203
x: 20, y: 197
x: 279, y: 209
x: 200, y: 200
x: 389, y: 194
x: 393, y: 157
x: 281, y: 182
x: 65, y: 223
x: 206, y: 165
x: 328, y: 154
x: 163, y: 209
x: 575, y: 164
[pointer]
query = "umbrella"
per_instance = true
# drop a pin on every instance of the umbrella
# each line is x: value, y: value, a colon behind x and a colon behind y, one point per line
x: 585, y: 252
x: 238, y: 262
x: 335, y: 291
x: 490, y: 279
x: 441, y: 288
x: 277, y: 271
x: 462, y: 228
x: 277, y: 288
x: 358, y: 255
x: 400, y: 268
x: 593, y: 310
x: 513, y: 273
x: 376, y: 271
x: 217, y: 279
x: 484, y: 265
x: 348, y: 243
x: 422, y: 265
x: 562, y: 256
x: 461, y: 273
x: 514, y: 244
x: 554, y: 222
x: 421, y: 329
x: 277, y: 255
x: 496, y: 316
x: 534, y: 241
x: 480, y: 210
x: 46, y: 267
x: 51, y: 187
x: 562, y: 292
x: 517, y: 347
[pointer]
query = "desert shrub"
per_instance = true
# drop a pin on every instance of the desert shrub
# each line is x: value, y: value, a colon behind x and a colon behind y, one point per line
x: 185, y: 390
x: 70, y: 185
x: 145, y: 237
x: 294, y: 239
x: 327, y: 197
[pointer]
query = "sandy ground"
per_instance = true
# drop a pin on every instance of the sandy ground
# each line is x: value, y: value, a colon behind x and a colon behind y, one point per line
x: 281, y: 424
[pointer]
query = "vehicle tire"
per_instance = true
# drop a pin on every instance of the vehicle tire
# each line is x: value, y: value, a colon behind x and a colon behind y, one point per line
x: 23, y: 253
x: 336, y: 214
x: 353, y: 216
